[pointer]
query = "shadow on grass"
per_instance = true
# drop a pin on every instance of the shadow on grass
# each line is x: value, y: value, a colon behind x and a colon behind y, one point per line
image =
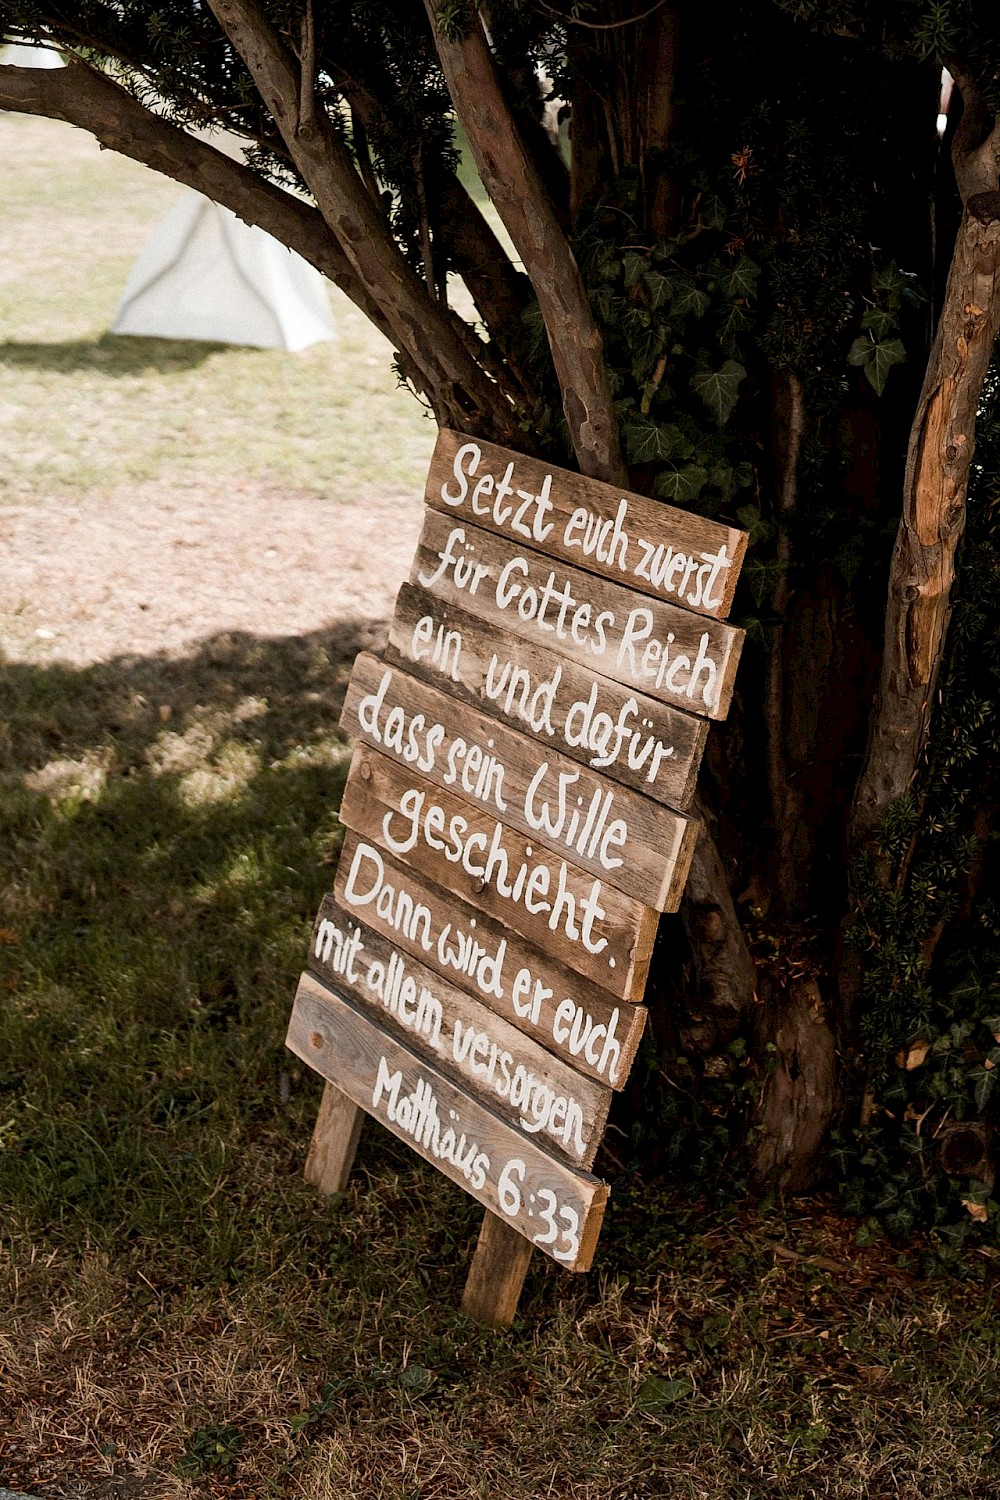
x: 112, y: 354
x: 167, y: 829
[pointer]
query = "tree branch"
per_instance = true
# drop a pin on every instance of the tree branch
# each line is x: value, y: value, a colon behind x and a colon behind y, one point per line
x: 82, y: 96
x: 461, y: 393
x: 513, y: 183
x: 939, y: 458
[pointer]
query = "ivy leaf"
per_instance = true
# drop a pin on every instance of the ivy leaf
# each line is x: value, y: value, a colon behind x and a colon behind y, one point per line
x: 660, y: 288
x: 648, y: 441
x: 682, y: 484
x: 985, y: 1082
x: 718, y: 389
x: 742, y: 279
x: 890, y: 352
x: 633, y: 265
x: 656, y: 1394
x: 734, y: 321
x: 860, y: 351
x: 689, y: 299
x: 879, y: 322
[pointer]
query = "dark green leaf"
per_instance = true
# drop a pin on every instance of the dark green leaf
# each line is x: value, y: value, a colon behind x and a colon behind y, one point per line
x: 887, y: 354
x: 860, y: 351
x: 681, y: 484
x: 656, y: 1395
x: 689, y: 299
x: 660, y: 288
x: 719, y: 388
x: 648, y: 441
x: 742, y: 279
x: 879, y: 322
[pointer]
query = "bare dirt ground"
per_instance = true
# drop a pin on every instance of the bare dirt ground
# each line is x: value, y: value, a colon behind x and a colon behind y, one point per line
x: 132, y: 572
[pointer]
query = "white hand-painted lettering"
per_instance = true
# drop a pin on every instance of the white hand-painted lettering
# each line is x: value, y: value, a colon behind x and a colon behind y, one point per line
x: 416, y: 1115
x: 602, y: 538
x: 532, y: 882
x: 434, y: 643
x: 589, y: 834
x: 515, y: 518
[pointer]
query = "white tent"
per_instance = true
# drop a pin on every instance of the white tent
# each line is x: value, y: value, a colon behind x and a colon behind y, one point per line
x: 204, y: 274
x: 17, y: 55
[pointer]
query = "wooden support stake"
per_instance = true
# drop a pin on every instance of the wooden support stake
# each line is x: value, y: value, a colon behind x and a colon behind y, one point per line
x: 334, y: 1141
x: 497, y: 1273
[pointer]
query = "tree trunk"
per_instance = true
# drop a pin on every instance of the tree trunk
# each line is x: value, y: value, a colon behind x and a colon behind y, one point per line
x: 939, y: 458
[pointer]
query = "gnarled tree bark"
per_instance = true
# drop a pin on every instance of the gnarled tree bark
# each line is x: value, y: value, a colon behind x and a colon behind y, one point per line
x: 939, y: 458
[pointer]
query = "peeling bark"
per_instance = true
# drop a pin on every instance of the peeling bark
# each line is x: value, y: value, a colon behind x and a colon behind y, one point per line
x: 459, y: 390
x: 513, y: 182
x: 939, y: 458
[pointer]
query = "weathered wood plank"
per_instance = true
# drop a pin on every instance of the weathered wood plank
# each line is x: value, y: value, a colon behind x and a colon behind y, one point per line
x: 334, y: 1141
x: 555, y: 1207
x: 668, y: 653
x: 567, y: 1013
x: 627, y: 840
x: 586, y: 925
x: 496, y: 1276
x: 473, y: 1045
x: 626, y: 736
x: 651, y: 547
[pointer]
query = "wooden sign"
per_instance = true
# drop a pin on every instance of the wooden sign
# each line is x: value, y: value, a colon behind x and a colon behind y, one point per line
x: 515, y: 823
x: 564, y: 1011
x: 670, y: 654
x: 592, y: 928
x: 642, y: 743
x: 670, y: 554
x: 623, y: 838
x: 529, y: 1087
x: 554, y: 1207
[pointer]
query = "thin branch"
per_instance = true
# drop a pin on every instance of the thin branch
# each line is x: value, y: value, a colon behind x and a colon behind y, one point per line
x: 307, y: 78
x: 601, y: 25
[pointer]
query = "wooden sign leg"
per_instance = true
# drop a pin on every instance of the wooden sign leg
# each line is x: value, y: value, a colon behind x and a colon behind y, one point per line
x: 497, y: 1274
x: 334, y: 1141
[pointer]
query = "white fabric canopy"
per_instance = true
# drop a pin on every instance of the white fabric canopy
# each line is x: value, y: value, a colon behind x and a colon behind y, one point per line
x: 204, y: 274
x: 16, y: 55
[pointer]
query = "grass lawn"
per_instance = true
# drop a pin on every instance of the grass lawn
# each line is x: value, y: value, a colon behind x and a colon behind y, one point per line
x: 179, y: 1315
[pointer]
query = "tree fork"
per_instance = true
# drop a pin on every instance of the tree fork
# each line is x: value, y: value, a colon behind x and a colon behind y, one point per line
x: 458, y: 388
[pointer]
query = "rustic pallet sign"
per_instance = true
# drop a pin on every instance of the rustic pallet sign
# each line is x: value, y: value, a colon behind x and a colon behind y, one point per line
x: 670, y: 554
x: 576, y: 1020
x: 590, y: 927
x: 499, y: 1064
x: 646, y: 745
x: 556, y: 1208
x: 665, y: 651
x: 626, y: 840
x: 515, y: 821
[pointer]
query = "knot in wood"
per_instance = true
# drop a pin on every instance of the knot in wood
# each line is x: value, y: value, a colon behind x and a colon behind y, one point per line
x: 984, y: 207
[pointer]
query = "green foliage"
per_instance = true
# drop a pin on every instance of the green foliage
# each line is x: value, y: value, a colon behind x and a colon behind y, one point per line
x: 931, y: 936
